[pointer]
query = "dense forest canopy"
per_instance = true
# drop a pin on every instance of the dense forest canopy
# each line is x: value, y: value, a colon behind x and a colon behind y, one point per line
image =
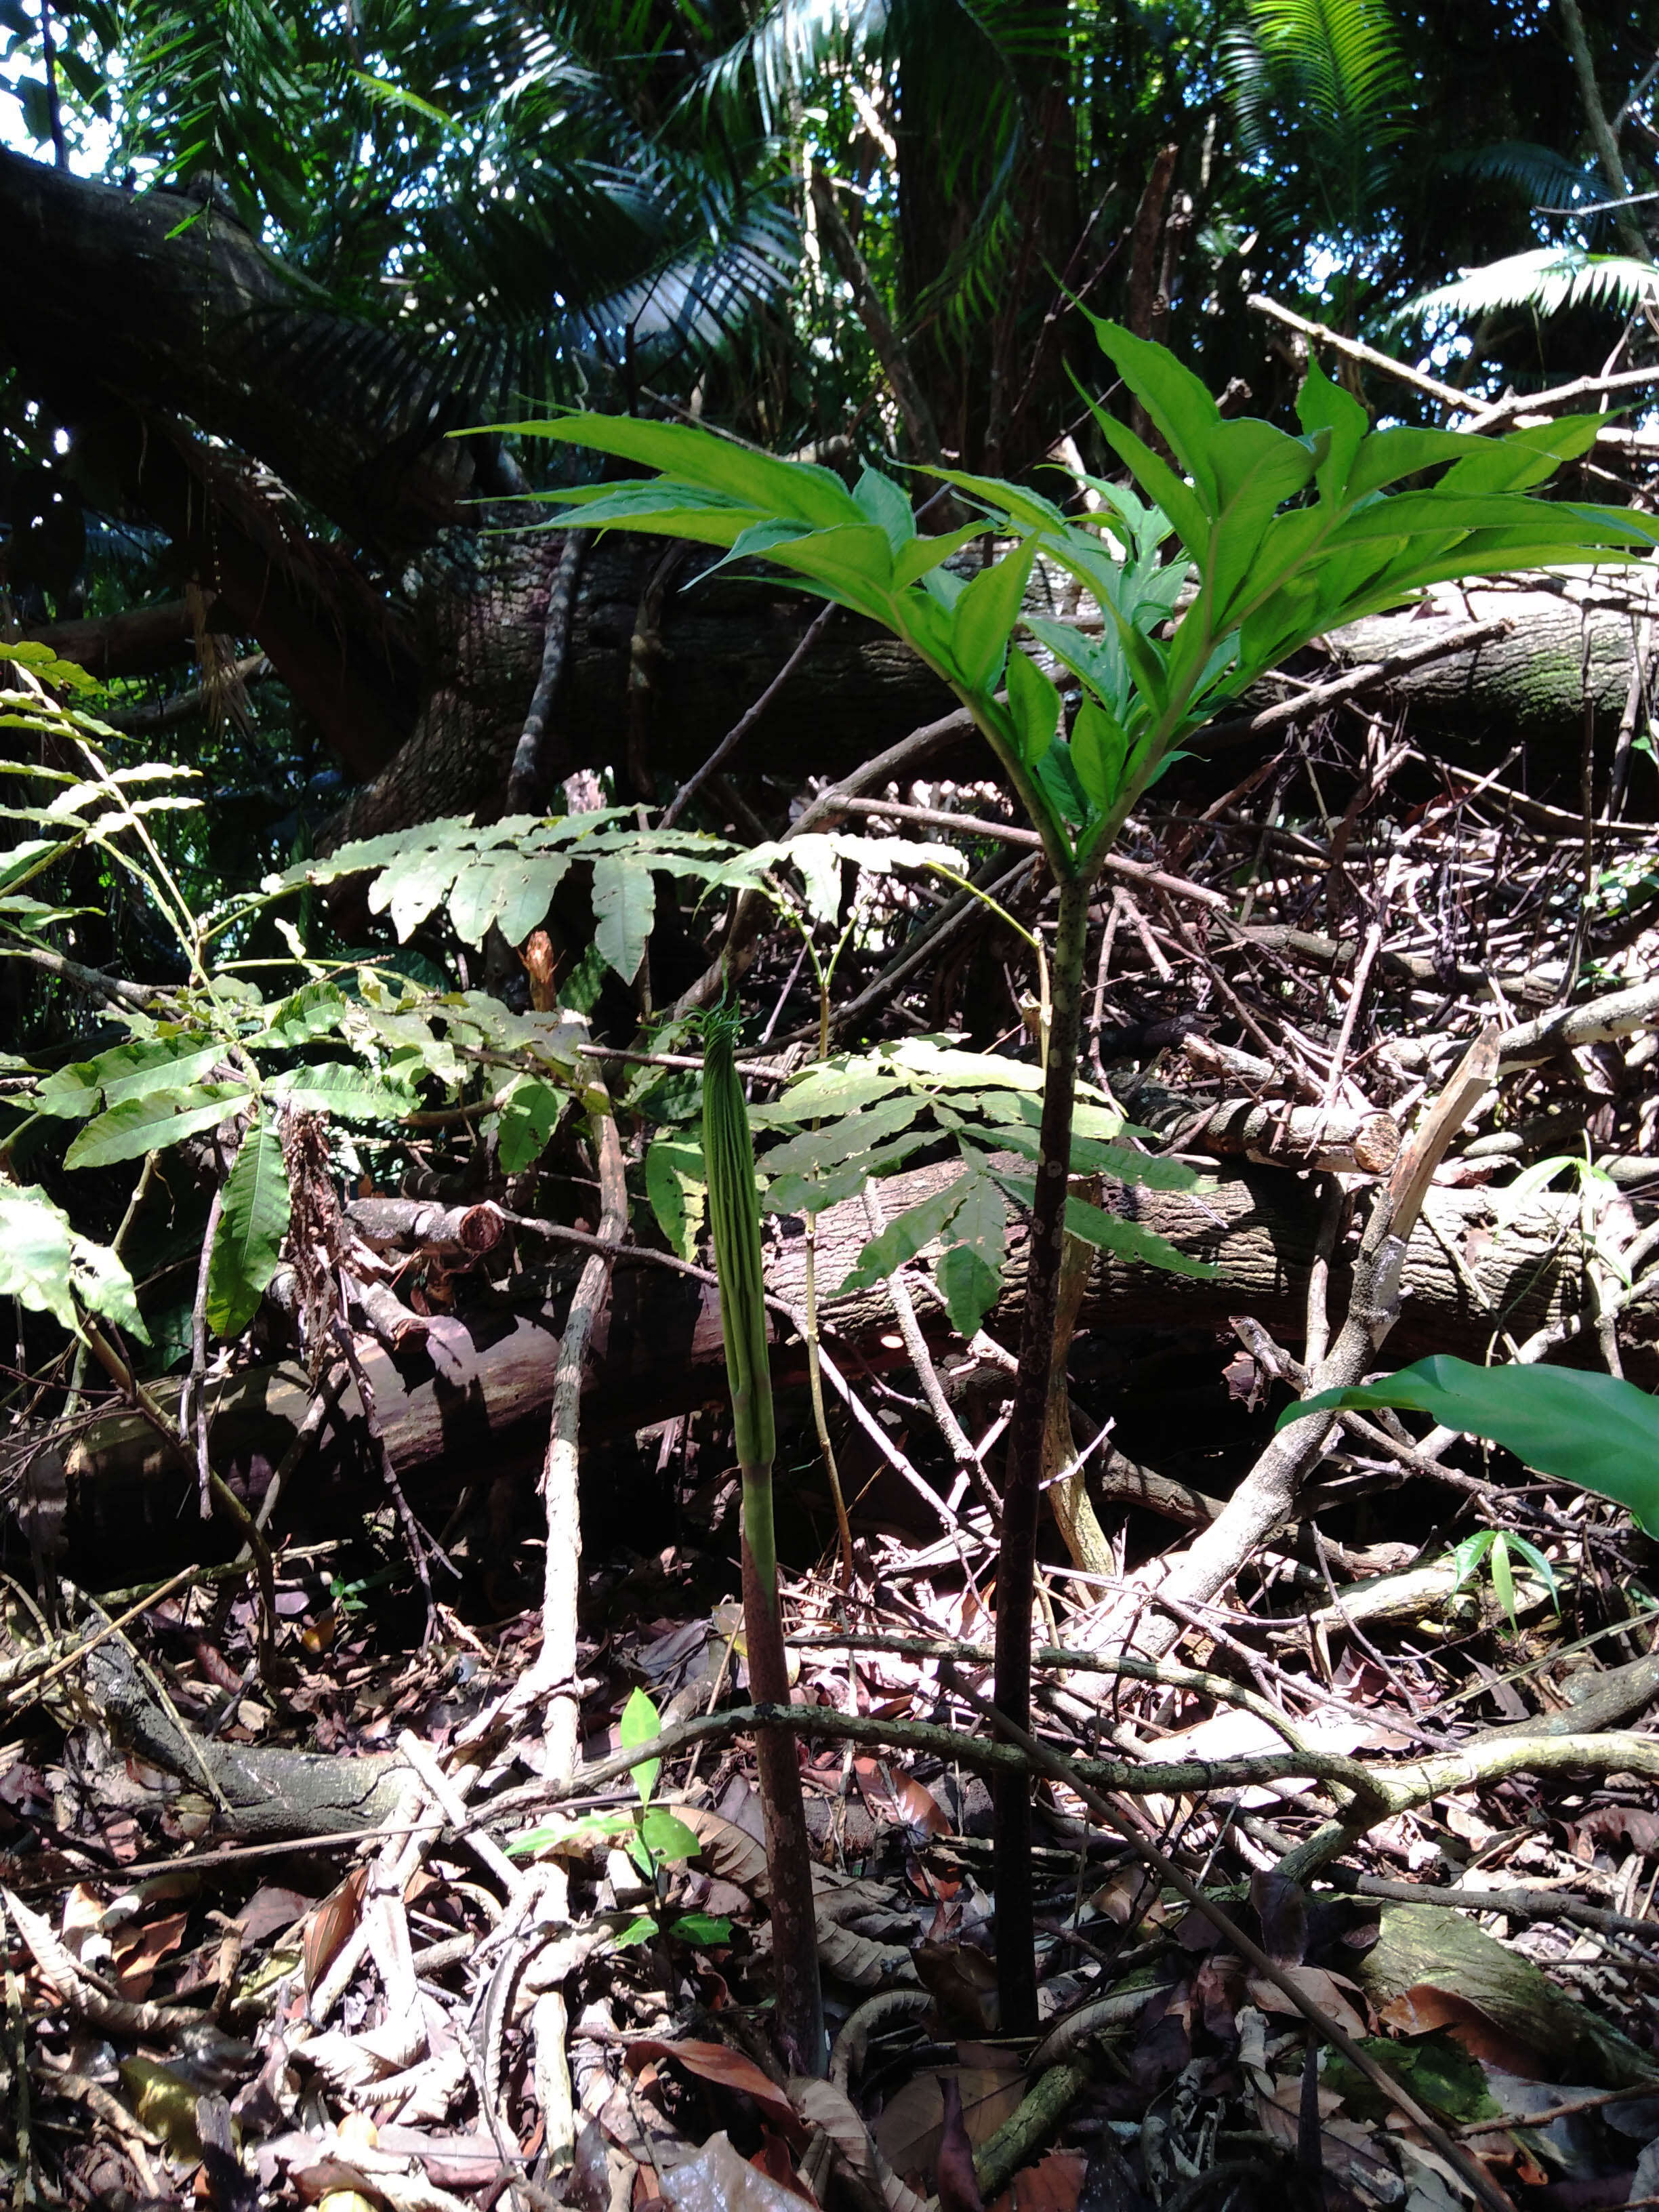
x: 946, y: 706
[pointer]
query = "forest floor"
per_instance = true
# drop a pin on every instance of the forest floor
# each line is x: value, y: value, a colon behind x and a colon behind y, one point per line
x: 509, y: 1983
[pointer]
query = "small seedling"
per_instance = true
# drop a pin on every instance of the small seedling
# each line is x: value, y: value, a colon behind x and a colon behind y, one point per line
x: 655, y: 1838
x: 1495, y: 1545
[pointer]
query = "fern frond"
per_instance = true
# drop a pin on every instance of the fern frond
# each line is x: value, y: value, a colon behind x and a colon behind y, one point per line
x: 1547, y: 281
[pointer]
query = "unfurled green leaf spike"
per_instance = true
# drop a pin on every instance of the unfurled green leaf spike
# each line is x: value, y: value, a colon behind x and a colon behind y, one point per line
x: 734, y: 1218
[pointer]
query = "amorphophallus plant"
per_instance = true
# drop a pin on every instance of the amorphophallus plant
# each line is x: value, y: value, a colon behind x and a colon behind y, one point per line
x: 734, y: 1221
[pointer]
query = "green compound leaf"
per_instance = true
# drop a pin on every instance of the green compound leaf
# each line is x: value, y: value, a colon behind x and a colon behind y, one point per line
x: 1126, y: 1240
x: 1594, y: 1430
x: 252, y: 1223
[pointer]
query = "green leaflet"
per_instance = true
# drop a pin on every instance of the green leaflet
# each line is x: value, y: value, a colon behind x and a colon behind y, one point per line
x: 901, y: 1240
x: 728, y: 1154
x: 49, y: 1267
x: 624, y: 902
x: 252, y: 1222
x: 1126, y: 1240
x: 679, y: 1194
x: 1592, y: 1430
x: 126, y: 1072
x: 528, y: 1115
x: 143, y: 1125
x: 341, y: 1088
x: 639, y: 1724
x: 969, y: 1270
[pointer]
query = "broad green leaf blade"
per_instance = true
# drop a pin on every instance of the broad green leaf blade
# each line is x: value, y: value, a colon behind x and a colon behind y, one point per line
x: 666, y: 1837
x: 982, y: 621
x: 1177, y: 401
x: 969, y: 1270
x: 969, y: 1288
x: 138, y: 1126
x: 1594, y: 1430
x: 674, y: 1184
x: 625, y: 904
x: 702, y: 1930
x: 341, y: 1088
x: 46, y: 1266
x: 1034, y: 703
x: 252, y: 1223
x: 34, y: 1253
x: 530, y: 1111
x: 640, y: 1722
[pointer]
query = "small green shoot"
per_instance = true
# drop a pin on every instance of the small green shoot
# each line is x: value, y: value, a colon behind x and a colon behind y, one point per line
x: 1495, y: 1545
x: 655, y: 1838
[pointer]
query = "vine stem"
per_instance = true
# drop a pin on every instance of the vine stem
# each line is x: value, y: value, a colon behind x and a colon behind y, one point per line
x: 1022, y: 1489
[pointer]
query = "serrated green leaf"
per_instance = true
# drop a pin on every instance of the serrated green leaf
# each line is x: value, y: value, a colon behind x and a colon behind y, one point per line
x: 850, y: 1135
x: 637, y: 1931
x: 824, y: 1091
x: 969, y: 1288
x: 149, y: 1124
x: 1126, y: 1240
x: 253, y: 1220
x: 624, y: 905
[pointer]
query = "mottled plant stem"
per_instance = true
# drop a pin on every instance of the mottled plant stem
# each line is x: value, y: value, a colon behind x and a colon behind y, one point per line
x: 1023, y: 1489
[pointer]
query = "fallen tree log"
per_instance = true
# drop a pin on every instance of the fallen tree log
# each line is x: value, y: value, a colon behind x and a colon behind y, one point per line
x: 660, y: 1351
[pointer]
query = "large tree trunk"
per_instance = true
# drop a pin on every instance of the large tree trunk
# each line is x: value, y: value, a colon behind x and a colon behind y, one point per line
x: 661, y: 1350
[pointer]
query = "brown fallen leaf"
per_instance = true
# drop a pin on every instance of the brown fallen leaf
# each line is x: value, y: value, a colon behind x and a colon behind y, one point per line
x: 991, y: 2083
x: 1417, y: 2010
x: 715, y: 2062
x: 1320, y: 1986
x: 1052, y: 2185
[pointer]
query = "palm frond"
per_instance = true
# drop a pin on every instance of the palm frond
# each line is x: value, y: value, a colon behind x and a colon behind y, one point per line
x: 1546, y: 281
x: 1330, y: 77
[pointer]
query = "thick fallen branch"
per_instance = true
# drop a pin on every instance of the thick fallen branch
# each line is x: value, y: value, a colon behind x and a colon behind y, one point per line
x: 663, y: 1351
